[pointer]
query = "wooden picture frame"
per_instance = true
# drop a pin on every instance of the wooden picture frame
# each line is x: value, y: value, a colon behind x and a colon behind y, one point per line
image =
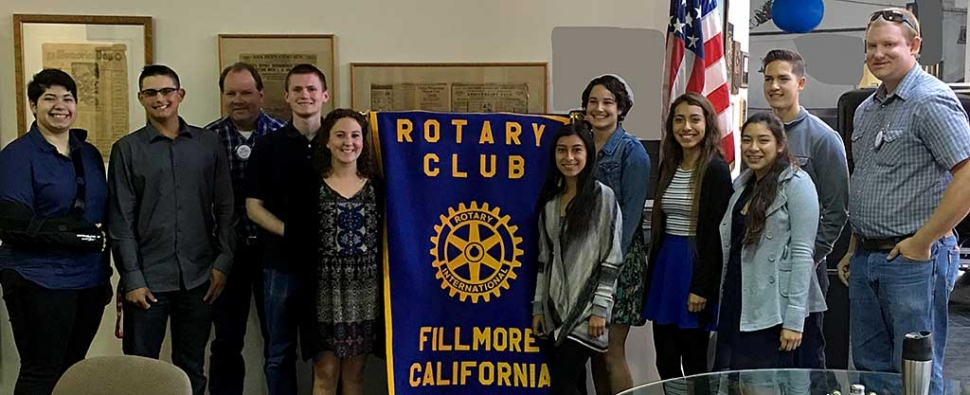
x: 104, y: 55
x: 736, y: 67
x: 451, y: 87
x: 273, y: 55
x: 744, y: 70
x: 729, y: 56
x: 742, y: 112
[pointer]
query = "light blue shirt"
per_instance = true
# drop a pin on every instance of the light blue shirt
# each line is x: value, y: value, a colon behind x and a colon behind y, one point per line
x: 904, y: 145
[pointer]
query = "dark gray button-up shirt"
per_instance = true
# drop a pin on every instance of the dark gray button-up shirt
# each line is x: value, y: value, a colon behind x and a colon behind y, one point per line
x: 170, y: 208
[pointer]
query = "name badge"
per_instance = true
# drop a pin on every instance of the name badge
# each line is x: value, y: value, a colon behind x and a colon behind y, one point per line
x: 243, y: 151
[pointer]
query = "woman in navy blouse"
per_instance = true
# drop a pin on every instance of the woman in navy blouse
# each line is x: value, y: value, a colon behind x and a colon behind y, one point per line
x: 55, y: 297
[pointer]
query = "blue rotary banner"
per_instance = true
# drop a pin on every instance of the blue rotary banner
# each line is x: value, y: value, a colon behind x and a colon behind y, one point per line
x: 461, y: 250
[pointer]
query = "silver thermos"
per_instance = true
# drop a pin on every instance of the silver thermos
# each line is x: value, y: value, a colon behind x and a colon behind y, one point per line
x: 917, y: 363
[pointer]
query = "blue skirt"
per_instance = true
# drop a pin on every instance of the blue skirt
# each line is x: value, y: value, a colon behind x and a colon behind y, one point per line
x: 670, y: 286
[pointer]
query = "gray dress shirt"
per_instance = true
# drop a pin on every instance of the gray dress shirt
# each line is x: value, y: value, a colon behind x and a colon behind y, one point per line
x: 170, y: 208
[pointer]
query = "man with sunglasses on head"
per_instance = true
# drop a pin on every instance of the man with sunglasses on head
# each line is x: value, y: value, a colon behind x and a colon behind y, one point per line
x: 170, y: 221
x: 911, y: 146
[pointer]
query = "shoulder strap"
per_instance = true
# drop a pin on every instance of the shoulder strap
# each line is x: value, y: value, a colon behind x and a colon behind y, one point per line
x: 79, y: 198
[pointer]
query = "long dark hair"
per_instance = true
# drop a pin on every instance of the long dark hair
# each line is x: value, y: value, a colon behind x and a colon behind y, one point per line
x: 579, y: 213
x: 766, y: 189
x: 322, y: 160
x: 673, y: 155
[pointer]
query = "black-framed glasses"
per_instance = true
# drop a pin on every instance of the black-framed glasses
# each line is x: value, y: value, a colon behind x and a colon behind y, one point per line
x: 893, y: 16
x: 154, y: 92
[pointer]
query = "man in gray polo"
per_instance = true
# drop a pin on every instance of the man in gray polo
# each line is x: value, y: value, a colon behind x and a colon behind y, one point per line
x: 821, y: 154
x: 911, y: 145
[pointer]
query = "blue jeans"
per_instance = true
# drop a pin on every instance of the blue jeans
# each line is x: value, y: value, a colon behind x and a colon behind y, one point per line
x: 282, y: 293
x: 888, y: 299
x: 947, y: 270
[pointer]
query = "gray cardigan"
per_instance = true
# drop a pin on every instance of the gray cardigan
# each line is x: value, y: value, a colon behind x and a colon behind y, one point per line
x: 579, y: 279
x: 776, y: 275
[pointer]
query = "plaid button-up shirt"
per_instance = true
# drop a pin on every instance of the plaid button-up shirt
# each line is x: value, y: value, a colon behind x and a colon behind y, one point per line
x: 238, y: 148
x: 904, y: 145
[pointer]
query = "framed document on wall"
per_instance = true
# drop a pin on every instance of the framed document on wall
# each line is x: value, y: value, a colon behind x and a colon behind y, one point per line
x: 273, y: 55
x: 103, y: 54
x: 450, y: 87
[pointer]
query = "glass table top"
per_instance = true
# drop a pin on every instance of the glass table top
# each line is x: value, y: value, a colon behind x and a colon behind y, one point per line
x: 788, y: 382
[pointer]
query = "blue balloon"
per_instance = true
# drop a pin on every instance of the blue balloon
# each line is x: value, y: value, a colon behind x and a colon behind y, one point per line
x: 797, y: 16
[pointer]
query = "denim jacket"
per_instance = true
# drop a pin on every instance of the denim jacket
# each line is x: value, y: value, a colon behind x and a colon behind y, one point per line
x: 624, y: 166
x: 777, y: 273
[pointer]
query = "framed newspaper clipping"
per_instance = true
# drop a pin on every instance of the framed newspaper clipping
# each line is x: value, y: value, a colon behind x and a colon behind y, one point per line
x: 273, y: 55
x: 104, y: 54
x: 450, y: 87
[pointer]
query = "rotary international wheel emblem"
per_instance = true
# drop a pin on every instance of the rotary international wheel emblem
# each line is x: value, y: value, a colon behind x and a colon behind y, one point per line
x: 475, y: 252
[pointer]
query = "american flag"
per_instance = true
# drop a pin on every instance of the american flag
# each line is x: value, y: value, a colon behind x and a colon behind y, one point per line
x: 695, y: 62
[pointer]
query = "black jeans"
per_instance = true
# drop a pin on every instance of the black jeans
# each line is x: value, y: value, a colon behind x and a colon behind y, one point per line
x: 811, y: 353
x: 678, y: 347
x: 230, y: 316
x: 52, y: 328
x: 191, y: 323
x: 567, y: 368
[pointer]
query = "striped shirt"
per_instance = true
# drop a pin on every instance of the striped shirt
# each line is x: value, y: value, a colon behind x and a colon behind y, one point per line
x: 678, y: 202
x: 904, y: 144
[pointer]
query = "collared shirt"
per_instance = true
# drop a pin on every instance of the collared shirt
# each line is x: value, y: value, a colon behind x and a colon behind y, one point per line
x: 33, y: 173
x: 170, y: 208
x: 821, y: 154
x: 624, y: 166
x: 904, y: 145
x: 238, y: 149
x: 281, y: 174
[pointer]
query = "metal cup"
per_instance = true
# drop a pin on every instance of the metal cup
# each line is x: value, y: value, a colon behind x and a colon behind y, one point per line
x: 917, y: 363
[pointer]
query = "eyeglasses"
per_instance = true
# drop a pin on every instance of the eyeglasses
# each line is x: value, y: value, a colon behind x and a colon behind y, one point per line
x: 154, y: 92
x: 893, y: 16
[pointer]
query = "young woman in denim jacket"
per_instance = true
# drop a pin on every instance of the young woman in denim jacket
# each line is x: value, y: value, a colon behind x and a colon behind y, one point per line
x: 685, y: 268
x: 623, y: 165
x: 579, y: 259
x: 767, y: 239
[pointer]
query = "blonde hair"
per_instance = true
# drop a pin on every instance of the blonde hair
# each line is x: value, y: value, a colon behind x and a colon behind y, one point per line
x: 910, y: 31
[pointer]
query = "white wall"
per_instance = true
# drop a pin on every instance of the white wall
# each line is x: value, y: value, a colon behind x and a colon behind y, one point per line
x: 367, y: 31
